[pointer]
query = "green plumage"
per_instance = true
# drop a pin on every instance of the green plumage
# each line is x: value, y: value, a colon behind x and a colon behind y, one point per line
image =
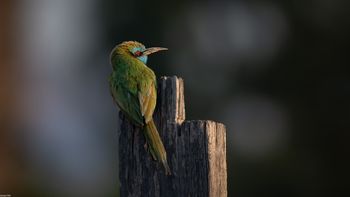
x: 133, y: 87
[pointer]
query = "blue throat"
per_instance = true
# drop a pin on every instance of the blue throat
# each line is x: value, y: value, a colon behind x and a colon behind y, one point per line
x: 141, y: 58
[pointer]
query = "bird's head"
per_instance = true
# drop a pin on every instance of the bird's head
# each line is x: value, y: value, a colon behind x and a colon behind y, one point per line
x: 135, y: 50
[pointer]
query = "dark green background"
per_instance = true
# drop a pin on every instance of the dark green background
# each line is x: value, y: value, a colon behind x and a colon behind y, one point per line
x: 275, y: 72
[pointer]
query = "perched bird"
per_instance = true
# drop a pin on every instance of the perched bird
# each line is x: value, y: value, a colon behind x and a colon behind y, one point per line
x: 133, y: 88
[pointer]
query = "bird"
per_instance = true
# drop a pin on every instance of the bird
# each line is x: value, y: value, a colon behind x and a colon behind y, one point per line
x: 133, y: 88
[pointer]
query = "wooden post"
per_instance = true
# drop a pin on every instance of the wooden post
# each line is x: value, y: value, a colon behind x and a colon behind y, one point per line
x: 196, y: 151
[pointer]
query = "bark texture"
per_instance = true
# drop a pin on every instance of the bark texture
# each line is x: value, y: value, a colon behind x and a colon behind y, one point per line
x: 196, y: 151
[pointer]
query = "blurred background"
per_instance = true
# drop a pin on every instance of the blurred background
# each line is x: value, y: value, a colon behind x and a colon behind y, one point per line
x: 275, y: 72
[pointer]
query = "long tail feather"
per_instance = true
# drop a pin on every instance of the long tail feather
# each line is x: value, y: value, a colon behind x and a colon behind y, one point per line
x: 155, y: 145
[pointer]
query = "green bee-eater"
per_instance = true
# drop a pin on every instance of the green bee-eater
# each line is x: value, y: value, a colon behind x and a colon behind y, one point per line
x: 133, y: 88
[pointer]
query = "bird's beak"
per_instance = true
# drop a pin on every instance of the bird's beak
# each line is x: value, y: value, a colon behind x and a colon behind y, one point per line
x: 151, y: 50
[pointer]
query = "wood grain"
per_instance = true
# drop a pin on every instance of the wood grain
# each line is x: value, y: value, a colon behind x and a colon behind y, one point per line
x: 196, y: 151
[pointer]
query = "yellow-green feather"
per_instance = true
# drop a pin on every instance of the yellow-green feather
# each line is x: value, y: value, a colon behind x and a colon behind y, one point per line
x: 133, y: 87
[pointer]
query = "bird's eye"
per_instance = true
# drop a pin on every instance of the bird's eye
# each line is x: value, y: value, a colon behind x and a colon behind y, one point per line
x: 137, y: 53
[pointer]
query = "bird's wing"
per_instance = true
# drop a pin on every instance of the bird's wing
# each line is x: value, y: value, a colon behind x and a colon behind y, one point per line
x: 147, y: 95
x: 125, y: 94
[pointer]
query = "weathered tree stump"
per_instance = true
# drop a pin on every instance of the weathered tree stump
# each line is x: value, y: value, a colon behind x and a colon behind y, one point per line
x: 196, y: 151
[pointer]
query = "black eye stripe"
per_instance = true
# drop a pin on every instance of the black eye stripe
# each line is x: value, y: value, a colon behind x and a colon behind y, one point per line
x: 137, y: 53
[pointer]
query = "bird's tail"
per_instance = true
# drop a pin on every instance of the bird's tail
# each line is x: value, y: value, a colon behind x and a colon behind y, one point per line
x: 155, y: 145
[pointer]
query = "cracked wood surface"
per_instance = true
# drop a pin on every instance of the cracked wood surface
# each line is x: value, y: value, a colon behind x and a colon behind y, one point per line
x: 196, y: 151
